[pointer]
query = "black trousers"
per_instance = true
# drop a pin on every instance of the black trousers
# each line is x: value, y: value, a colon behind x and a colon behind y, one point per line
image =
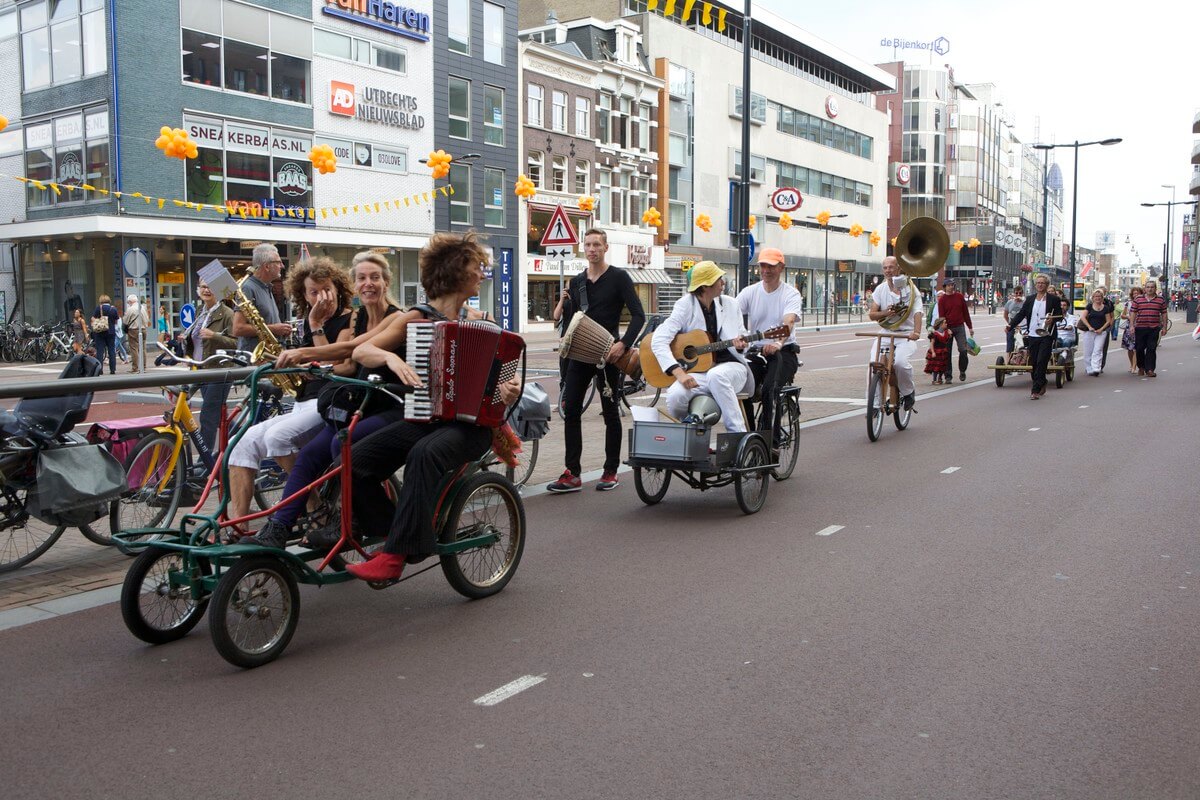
x: 1040, y: 348
x: 106, y: 343
x: 771, y: 372
x: 1145, y: 346
x: 578, y: 376
x: 428, y: 451
x: 960, y: 341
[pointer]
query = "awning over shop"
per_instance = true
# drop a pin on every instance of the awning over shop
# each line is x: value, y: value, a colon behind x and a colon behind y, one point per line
x: 649, y: 276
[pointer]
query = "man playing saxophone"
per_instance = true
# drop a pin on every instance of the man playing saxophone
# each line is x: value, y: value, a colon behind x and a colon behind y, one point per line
x: 265, y: 267
x: 896, y: 297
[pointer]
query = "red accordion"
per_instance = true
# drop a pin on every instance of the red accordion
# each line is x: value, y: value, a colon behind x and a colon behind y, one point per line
x: 462, y: 365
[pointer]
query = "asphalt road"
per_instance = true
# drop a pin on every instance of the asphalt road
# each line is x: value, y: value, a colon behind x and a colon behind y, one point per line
x: 999, y: 602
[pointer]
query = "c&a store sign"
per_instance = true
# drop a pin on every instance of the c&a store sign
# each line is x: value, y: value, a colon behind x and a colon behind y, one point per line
x: 383, y: 16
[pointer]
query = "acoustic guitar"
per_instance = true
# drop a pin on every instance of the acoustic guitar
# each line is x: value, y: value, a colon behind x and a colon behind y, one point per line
x: 693, y: 352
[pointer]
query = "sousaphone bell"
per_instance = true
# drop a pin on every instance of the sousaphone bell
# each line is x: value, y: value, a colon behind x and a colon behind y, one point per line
x: 921, y: 248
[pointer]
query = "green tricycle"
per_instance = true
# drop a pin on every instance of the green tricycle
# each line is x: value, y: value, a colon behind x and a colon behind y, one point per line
x: 253, y: 589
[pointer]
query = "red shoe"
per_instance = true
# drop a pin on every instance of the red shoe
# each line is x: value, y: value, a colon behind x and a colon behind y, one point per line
x: 383, y: 567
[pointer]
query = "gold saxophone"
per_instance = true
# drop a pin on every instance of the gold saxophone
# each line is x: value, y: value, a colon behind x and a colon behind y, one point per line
x: 268, y: 346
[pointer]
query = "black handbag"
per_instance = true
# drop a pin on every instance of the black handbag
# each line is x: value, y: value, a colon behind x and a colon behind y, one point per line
x: 337, y: 401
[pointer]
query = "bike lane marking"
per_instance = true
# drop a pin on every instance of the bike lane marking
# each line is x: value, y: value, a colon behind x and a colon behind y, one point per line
x: 950, y: 470
x: 509, y: 689
x: 832, y: 529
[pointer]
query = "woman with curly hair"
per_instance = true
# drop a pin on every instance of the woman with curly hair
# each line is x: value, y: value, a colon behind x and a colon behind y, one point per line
x: 320, y: 291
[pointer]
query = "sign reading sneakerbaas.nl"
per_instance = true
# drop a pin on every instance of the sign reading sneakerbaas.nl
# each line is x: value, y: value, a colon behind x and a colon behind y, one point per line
x: 382, y: 15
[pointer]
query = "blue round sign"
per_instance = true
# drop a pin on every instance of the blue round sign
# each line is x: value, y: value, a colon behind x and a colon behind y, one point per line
x: 187, y: 315
x: 750, y: 258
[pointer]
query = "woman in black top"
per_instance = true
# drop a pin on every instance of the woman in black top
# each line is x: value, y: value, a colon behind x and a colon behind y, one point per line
x: 1097, y: 318
x: 1041, y: 311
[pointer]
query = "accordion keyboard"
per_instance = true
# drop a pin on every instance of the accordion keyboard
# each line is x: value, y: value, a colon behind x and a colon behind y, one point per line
x: 418, y: 405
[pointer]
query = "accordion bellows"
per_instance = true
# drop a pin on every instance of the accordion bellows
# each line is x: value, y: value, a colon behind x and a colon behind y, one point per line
x: 462, y: 365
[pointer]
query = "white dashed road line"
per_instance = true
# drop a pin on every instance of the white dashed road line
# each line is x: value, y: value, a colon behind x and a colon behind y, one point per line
x: 509, y: 689
x: 950, y: 470
x: 1031, y: 430
x: 832, y: 529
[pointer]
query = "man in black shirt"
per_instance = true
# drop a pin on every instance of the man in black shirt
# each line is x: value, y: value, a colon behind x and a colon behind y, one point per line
x: 601, y: 293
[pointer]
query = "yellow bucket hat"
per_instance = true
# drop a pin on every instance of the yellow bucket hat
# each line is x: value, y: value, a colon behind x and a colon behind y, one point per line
x: 705, y: 273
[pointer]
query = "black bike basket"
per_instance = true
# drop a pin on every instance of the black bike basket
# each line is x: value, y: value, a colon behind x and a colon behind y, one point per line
x: 75, y: 484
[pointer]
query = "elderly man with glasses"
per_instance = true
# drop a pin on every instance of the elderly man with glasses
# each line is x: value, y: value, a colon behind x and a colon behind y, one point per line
x: 769, y: 304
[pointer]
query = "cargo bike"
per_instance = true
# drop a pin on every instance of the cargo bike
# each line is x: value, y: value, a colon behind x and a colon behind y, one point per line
x: 1062, y: 364
x: 251, y: 591
x: 660, y: 451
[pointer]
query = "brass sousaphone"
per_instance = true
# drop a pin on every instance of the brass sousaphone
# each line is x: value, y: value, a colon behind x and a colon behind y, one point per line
x: 921, y: 248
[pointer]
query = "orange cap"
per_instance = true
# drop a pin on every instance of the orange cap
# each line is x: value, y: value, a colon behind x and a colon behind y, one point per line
x: 771, y: 255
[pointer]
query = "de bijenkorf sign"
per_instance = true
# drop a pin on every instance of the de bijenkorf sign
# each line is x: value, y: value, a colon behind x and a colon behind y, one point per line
x: 940, y: 45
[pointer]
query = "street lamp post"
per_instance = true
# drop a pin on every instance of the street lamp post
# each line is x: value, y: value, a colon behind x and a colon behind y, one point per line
x: 744, y: 223
x: 1075, y: 199
x: 826, y: 302
x: 1166, y: 276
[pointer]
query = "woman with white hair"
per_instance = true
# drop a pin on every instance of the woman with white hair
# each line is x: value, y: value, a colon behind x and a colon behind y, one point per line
x: 135, y: 322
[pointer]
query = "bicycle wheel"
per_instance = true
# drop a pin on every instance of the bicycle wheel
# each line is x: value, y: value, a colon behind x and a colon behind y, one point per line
x: 486, y: 503
x: 651, y: 484
x: 526, y: 461
x: 587, y: 398
x: 901, y: 416
x: 22, y: 537
x: 255, y: 610
x: 154, y: 487
x: 750, y: 487
x: 789, y: 439
x: 874, y: 411
x: 639, y: 393
x: 156, y: 603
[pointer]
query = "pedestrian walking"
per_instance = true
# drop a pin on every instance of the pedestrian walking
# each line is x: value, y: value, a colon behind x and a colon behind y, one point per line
x: 952, y: 305
x: 1149, y: 314
x: 1127, y: 339
x: 1097, y: 319
x: 1010, y: 310
x: 105, y: 320
x: 79, y: 330
x: 135, y: 322
x: 937, y: 359
x: 1038, y: 314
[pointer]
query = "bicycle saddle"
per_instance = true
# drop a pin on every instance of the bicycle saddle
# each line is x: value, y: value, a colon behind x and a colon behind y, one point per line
x: 269, y: 391
x: 48, y: 417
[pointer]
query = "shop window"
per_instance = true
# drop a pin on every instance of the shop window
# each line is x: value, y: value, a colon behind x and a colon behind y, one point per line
x: 493, y: 198
x: 493, y: 115
x: 206, y: 177
x: 460, y: 200
x: 460, y: 108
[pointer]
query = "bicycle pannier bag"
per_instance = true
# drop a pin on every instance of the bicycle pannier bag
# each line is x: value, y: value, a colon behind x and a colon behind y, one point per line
x: 531, y: 420
x: 75, y: 484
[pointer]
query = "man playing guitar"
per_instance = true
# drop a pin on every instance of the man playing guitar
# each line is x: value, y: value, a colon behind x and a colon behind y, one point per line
x: 895, y: 290
x: 766, y: 304
x: 706, y: 308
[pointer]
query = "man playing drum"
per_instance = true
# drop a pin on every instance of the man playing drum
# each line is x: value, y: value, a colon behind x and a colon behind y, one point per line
x: 601, y: 293
x: 767, y: 304
x: 894, y: 290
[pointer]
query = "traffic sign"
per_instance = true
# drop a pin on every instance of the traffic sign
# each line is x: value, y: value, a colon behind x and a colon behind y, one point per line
x: 559, y: 230
x: 187, y: 315
x: 559, y: 253
x: 786, y: 199
x: 750, y: 256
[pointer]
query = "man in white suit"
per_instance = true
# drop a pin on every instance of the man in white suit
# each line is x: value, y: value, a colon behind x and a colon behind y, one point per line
x: 706, y: 308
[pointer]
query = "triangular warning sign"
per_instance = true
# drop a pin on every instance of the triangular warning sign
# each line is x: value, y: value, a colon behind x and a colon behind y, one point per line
x: 559, y: 230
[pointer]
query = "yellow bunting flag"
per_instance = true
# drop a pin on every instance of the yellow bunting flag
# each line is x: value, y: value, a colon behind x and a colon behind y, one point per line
x: 356, y: 209
x: 324, y: 213
x: 670, y: 9
x: 117, y: 195
x: 242, y: 212
x: 57, y: 191
x: 162, y: 201
x: 451, y: 189
x: 652, y: 5
x: 179, y: 204
x: 377, y: 208
x: 345, y: 211
x: 23, y: 179
x: 387, y: 204
x: 87, y: 187
x: 334, y: 210
x: 706, y: 14
x: 427, y: 197
x: 721, y: 20
x: 687, y: 9
x: 406, y: 202
x: 312, y: 213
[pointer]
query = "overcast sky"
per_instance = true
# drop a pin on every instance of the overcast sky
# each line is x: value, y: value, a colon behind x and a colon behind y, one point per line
x: 1066, y: 71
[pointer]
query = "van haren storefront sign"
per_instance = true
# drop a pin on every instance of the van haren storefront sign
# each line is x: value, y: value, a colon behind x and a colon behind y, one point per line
x: 383, y: 16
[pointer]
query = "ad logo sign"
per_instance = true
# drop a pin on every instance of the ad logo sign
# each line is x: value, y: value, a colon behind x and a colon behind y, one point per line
x: 341, y: 98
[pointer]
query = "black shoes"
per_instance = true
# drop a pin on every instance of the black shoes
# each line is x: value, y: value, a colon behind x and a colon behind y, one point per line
x: 273, y: 534
x: 909, y: 401
x: 962, y: 376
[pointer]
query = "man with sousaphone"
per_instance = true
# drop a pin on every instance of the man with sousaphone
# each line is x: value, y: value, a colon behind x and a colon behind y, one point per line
x: 590, y: 311
x: 921, y: 249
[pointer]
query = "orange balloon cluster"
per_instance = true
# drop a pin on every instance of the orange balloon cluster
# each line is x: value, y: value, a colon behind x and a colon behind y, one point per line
x: 3, y: 122
x: 856, y: 230
x: 751, y: 222
x: 785, y: 220
x: 892, y: 241
x: 586, y: 202
x: 959, y: 245
x: 974, y: 242
x: 875, y: 239
x: 175, y: 143
x: 823, y: 217
x: 323, y: 159
x: 652, y: 217
x: 704, y: 222
x: 439, y: 162
x: 524, y: 187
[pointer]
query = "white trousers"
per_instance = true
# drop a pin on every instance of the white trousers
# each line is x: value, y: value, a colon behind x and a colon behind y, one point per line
x: 1093, y: 350
x: 278, y: 436
x: 722, y: 383
x: 901, y: 362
